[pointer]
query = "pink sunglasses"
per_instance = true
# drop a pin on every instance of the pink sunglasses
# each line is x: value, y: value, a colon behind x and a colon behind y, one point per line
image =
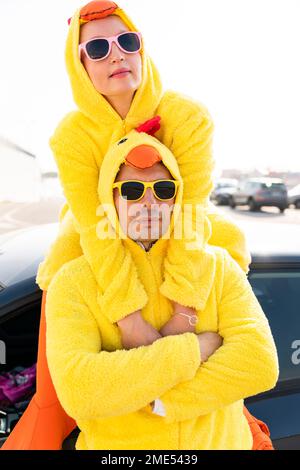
x: 99, y: 48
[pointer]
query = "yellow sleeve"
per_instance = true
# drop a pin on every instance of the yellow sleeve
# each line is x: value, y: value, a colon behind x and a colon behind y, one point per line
x: 227, y: 234
x: 63, y: 211
x: 245, y: 365
x: 93, y: 383
x: 191, y: 144
x: 120, y: 291
x: 65, y: 248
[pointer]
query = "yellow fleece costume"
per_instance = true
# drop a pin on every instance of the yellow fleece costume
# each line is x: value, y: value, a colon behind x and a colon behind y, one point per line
x: 108, y: 390
x: 79, y: 144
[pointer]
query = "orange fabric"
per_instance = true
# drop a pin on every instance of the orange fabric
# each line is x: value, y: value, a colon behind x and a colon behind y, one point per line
x: 260, y: 432
x: 142, y: 156
x: 44, y: 425
x: 97, y: 9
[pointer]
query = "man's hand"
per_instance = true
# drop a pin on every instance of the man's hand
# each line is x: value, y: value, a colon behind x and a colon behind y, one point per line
x: 209, y: 342
x: 136, y: 331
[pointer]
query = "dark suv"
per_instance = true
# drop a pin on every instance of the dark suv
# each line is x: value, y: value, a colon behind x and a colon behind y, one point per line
x: 258, y: 192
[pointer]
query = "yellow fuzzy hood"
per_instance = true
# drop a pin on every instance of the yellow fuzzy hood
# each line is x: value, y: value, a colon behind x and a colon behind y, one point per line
x: 111, y: 164
x: 92, y: 103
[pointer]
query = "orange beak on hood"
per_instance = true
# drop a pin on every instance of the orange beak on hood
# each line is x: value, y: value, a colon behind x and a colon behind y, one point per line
x: 95, y: 10
x: 143, y: 156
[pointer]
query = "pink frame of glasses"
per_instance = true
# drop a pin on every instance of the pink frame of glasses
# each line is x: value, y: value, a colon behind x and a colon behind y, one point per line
x: 110, y: 40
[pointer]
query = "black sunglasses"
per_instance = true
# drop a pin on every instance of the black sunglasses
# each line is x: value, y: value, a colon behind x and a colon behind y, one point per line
x: 134, y: 190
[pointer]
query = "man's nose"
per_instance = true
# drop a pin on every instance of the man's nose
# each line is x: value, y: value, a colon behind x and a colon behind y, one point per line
x: 149, y: 198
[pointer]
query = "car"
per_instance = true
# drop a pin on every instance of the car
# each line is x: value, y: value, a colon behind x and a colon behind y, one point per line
x: 294, y: 196
x: 222, y: 191
x: 259, y: 192
x: 275, y: 279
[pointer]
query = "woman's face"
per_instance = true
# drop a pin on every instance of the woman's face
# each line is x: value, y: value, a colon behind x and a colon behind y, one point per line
x: 100, y: 71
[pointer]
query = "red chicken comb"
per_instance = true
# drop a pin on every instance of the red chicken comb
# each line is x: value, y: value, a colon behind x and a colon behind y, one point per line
x: 151, y: 126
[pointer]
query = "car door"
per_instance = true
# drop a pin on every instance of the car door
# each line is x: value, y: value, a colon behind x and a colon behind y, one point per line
x: 239, y: 195
x: 277, y: 289
x: 246, y: 193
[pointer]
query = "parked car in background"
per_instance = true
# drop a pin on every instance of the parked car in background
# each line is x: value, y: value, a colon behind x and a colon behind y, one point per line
x: 294, y: 196
x: 275, y: 279
x: 222, y: 191
x: 258, y: 192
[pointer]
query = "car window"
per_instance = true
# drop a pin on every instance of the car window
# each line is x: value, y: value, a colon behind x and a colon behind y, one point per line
x: 274, y: 186
x: 278, y: 295
x: 226, y: 184
x: 19, y: 331
x: 253, y: 185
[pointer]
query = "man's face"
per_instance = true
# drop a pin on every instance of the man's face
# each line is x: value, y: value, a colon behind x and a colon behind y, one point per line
x: 100, y: 71
x: 149, y: 218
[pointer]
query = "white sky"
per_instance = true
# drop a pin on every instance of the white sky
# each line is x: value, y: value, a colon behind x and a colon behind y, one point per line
x: 239, y: 57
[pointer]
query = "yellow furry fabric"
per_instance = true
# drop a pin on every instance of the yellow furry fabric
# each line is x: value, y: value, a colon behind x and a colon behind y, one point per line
x: 108, y: 390
x: 79, y: 144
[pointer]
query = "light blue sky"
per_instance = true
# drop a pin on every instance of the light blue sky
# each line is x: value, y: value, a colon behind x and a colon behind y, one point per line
x: 239, y: 57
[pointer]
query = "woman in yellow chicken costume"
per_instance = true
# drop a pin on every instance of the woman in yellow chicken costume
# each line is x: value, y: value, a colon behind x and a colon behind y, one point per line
x: 79, y: 144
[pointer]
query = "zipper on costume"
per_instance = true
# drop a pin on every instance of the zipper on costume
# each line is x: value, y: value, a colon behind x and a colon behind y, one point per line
x: 156, y: 283
x: 148, y: 256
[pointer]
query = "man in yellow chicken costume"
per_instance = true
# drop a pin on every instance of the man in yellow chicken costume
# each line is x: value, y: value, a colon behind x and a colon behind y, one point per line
x: 107, y: 389
x: 79, y: 145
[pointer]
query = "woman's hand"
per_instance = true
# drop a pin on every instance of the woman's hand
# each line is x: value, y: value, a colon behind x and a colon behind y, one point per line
x: 209, y: 341
x: 178, y: 324
x: 136, y: 331
x: 183, y: 308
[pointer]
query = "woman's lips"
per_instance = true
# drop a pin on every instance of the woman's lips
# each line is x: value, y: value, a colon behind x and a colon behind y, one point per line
x: 120, y: 75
